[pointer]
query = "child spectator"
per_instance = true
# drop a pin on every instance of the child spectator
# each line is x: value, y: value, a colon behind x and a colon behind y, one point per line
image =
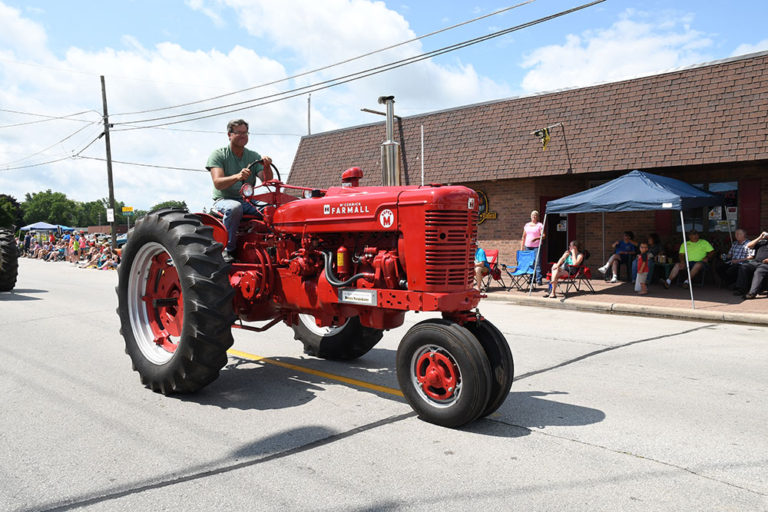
x: 641, y: 285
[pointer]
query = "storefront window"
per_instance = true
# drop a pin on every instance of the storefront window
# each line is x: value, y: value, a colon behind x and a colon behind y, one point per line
x: 714, y: 219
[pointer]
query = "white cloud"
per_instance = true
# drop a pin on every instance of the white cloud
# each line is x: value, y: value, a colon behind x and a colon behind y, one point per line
x: 19, y: 36
x: 743, y: 49
x: 633, y: 46
x: 199, y: 5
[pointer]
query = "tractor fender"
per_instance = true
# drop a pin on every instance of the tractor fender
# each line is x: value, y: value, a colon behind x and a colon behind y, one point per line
x: 219, y: 231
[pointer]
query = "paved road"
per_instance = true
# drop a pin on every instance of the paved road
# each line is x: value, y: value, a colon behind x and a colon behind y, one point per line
x: 607, y: 413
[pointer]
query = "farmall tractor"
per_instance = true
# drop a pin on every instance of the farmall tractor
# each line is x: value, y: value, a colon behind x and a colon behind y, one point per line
x: 339, y: 266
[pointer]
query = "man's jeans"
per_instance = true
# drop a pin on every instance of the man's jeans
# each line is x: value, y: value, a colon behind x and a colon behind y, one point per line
x: 233, y: 211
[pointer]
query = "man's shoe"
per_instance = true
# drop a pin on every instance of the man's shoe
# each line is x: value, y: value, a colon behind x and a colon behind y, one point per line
x: 614, y: 280
x: 227, y: 257
x: 750, y: 296
x: 665, y: 283
x: 603, y: 269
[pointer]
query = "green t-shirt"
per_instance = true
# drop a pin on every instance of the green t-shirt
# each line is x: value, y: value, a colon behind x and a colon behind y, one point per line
x: 697, y: 251
x: 227, y: 160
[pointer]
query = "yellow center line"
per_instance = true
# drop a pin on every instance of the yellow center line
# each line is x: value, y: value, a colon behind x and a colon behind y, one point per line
x: 318, y: 373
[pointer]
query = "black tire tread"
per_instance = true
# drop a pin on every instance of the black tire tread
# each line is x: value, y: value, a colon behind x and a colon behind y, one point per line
x: 352, y: 342
x: 500, y: 357
x: 9, y: 260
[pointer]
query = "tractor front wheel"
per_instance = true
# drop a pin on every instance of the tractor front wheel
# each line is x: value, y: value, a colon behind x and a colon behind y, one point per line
x: 9, y: 261
x: 443, y: 373
x: 343, y: 343
x: 174, y: 302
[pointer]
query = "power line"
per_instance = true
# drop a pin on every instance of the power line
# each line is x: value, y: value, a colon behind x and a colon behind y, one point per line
x: 53, y: 145
x: 218, y: 131
x: 75, y: 155
x: 143, y: 165
x: 46, y: 117
x: 323, y: 68
x: 347, y: 78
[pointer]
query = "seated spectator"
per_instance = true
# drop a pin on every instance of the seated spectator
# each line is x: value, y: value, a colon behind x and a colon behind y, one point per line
x: 623, y: 253
x: 110, y: 262
x: 700, y: 252
x: 566, y: 266
x: 732, y: 260
x: 654, y: 250
x: 753, y: 272
x: 482, y: 267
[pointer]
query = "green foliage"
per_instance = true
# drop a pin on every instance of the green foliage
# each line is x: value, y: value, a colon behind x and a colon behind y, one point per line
x: 51, y: 207
x: 170, y: 204
x: 56, y: 208
x: 10, y: 212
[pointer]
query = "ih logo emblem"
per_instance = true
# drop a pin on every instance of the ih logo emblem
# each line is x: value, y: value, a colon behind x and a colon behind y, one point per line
x: 326, y: 209
x: 471, y: 203
x: 386, y: 218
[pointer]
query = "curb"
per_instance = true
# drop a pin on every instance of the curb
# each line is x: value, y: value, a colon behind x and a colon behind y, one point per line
x: 637, y: 310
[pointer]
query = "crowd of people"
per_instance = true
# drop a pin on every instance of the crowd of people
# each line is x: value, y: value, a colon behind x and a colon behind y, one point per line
x: 743, y: 268
x: 77, y: 248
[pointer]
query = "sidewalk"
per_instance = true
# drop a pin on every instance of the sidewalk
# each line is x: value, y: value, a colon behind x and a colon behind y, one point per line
x: 712, y: 304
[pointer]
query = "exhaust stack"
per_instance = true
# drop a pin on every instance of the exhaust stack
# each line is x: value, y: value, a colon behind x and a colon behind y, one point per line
x: 390, y: 150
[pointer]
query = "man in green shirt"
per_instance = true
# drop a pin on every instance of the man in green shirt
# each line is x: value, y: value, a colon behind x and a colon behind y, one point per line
x: 699, y: 254
x: 229, y: 171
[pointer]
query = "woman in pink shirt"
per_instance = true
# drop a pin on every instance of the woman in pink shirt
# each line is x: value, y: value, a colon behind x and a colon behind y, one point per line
x: 533, y: 234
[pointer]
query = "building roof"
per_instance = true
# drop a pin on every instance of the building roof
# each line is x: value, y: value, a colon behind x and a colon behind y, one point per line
x: 714, y: 113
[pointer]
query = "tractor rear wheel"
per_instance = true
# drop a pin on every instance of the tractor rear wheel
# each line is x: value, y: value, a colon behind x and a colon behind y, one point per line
x: 342, y: 343
x: 174, y: 302
x: 502, y: 365
x: 443, y: 373
x: 9, y: 261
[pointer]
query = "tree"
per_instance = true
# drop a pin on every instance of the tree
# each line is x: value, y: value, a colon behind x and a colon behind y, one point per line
x: 51, y: 207
x: 10, y: 212
x: 92, y: 213
x: 170, y: 204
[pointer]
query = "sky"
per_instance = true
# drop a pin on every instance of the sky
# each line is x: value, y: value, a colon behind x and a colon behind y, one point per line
x: 172, y: 67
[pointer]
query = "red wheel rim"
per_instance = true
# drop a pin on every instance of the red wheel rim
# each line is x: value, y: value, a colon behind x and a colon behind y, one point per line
x: 436, y: 374
x: 164, y: 302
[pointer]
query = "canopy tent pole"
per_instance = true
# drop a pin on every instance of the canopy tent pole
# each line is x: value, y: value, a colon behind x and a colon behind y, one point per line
x: 538, y: 251
x: 604, y: 258
x: 687, y: 264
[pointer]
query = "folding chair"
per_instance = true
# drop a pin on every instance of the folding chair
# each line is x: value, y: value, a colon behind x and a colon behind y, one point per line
x: 576, y: 280
x: 522, y: 274
x: 495, y: 273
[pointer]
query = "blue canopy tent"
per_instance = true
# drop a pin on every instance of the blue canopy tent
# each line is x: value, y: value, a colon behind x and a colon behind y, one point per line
x: 40, y: 226
x: 44, y: 226
x: 637, y: 191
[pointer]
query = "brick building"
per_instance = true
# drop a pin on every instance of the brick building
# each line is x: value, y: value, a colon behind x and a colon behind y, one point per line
x: 706, y: 125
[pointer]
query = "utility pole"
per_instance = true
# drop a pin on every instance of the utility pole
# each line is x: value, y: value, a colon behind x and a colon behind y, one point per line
x: 309, y: 113
x: 109, y: 162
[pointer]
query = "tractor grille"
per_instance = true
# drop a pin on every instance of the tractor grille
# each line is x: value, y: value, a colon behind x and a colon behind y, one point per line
x: 449, y: 236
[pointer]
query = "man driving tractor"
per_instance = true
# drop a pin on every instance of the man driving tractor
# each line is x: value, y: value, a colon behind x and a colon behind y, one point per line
x: 231, y: 167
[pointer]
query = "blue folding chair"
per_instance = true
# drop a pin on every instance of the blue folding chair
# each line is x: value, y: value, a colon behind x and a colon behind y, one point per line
x: 522, y: 274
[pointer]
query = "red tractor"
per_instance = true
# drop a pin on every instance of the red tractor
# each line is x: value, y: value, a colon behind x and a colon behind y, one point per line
x: 339, y: 266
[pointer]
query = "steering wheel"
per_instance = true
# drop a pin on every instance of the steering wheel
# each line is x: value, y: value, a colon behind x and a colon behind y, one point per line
x: 247, y: 190
x: 272, y: 165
